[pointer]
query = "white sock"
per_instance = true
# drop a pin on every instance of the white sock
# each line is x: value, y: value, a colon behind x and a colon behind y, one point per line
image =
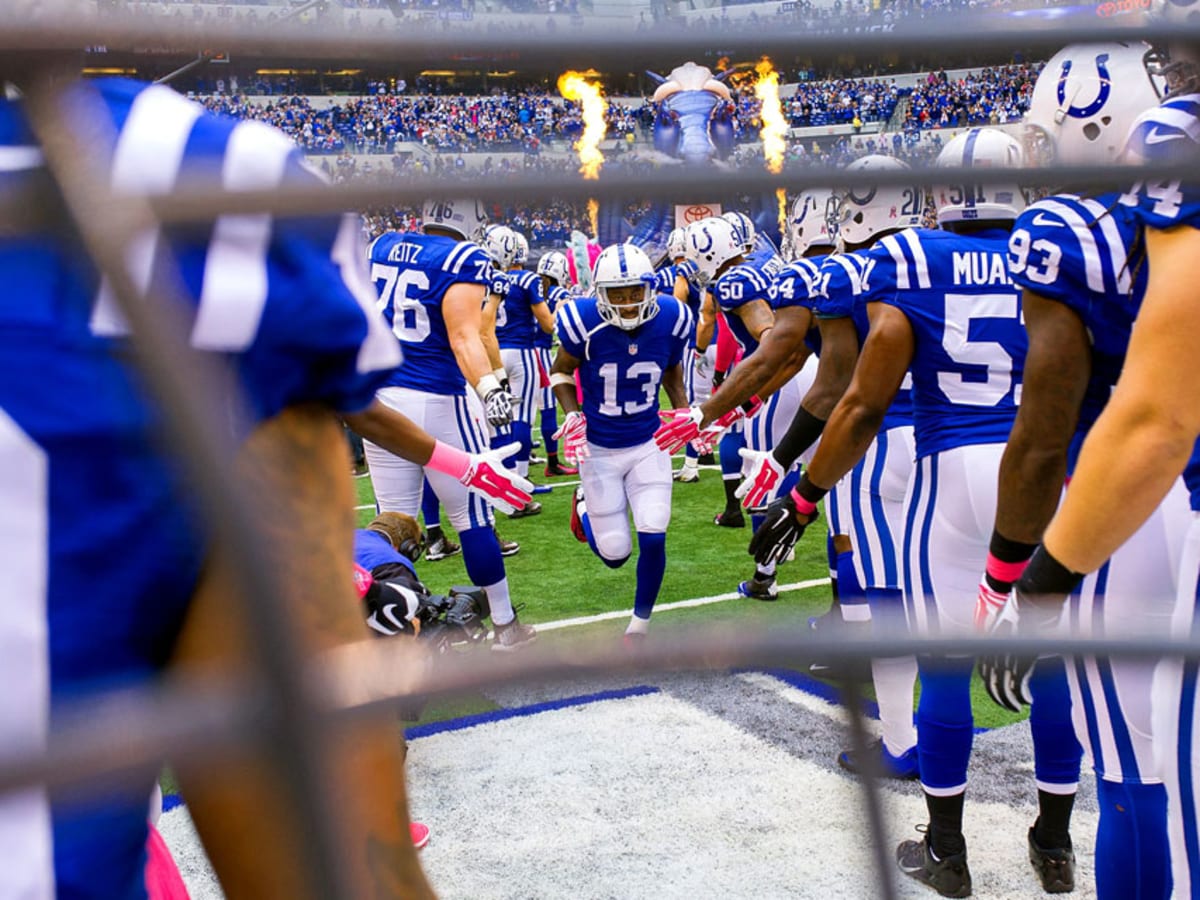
x: 691, y: 464
x: 767, y: 571
x: 637, y: 625
x: 523, y: 468
x: 499, y: 602
x: 894, y: 679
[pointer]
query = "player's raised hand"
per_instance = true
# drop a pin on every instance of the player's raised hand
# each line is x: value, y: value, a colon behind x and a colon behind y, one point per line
x: 503, y: 488
x: 573, y: 435
x: 764, y: 475
x: 679, y: 427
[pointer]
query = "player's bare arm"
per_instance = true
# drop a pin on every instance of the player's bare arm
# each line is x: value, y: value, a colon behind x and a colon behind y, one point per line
x: 1057, y: 368
x: 393, y: 431
x: 564, y: 390
x: 462, y: 308
x: 294, y: 466
x: 680, y: 289
x: 778, y: 358
x: 707, y: 324
x: 876, y: 380
x: 541, y: 313
x: 757, y: 317
x: 1142, y: 440
x: 672, y: 383
x: 487, y: 330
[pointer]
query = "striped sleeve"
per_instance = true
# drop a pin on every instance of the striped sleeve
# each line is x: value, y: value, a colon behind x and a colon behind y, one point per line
x: 1168, y: 134
x: 1063, y: 246
x: 570, y: 331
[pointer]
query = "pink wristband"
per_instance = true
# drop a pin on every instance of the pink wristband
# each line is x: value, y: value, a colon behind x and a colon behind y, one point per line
x: 450, y: 460
x: 1005, y: 571
x: 803, y: 505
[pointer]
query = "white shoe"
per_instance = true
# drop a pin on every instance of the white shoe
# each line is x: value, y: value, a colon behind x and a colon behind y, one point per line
x: 688, y: 475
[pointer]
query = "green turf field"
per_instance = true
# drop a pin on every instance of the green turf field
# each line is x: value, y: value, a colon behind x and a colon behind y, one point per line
x: 556, y: 577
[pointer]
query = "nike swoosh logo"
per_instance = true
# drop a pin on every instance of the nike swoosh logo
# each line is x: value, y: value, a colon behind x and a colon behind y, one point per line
x: 1155, y: 137
x: 1041, y: 219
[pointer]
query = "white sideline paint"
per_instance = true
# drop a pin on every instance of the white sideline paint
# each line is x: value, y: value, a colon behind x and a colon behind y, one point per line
x: 835, y: 712
x: 665, y: 607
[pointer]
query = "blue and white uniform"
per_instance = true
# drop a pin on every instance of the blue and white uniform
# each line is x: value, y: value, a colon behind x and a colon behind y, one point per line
x: 740, y: 285
x: 620, y: 374
x: 797, y: 285
x: 1171, y: 133
x: 412, y: 273
x: 543, y: 341
x: 515, y: 326
x: 869, y: 501
x: 102, y: 548
x: 968, y: 358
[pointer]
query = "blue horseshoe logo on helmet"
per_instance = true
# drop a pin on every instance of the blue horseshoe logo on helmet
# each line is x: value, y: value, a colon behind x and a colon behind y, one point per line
x: 696, y: 243
x: 1084, y: 112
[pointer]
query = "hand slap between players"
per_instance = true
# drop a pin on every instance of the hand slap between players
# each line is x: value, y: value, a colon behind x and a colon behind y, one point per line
x: 679, y: 427
x: 763, y: 477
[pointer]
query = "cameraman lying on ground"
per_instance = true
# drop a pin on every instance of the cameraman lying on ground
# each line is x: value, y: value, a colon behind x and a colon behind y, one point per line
x: 396, y: 600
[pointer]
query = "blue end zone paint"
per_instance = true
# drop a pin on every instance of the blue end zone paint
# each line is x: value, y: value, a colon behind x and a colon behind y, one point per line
x: 825, y: 691
x: 499, y: 715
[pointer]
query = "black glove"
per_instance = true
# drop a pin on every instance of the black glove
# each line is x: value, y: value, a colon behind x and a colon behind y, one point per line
x: 778, y: 533
x: 1033, y: 610
x: 498, y: 405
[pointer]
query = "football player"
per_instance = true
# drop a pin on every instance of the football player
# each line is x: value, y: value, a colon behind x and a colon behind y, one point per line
x: 432, y: 286
x: 521, y: 312
x: 626, y: 343
x: 110, y: 578
x: 1141, y: 442
x: 1075, y: 259
x: 553, y: 276
x: 953, y: 316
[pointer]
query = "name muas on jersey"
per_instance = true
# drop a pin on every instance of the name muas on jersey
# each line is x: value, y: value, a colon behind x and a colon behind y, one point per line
x: 969, y: 343
x: 621, y: 371
x: 412, y: 273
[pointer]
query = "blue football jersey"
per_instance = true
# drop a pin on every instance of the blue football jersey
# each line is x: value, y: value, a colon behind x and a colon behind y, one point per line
x: 1167, y: 134
x: 412, y: 273
x: 1076, y: 251
x: 851, y: 280
x: 621, y: 371
x: 765, y: 258
x: 799, y: 284
x: 556, y: 297
x: 664, y: 279
x: 738, y: 286
x: 515, y: 322
x: 102, y: 551
x: 969, y: 343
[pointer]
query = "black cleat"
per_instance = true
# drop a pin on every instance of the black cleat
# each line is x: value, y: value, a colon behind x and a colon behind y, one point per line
x: 950, y: 877
x: 727, y: 519
x: 441, y: 548
x: 1055, y: 867
x: 532, y: 508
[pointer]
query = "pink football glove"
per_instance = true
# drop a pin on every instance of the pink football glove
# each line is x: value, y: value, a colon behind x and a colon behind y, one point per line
x: 762, y: 478
x: 679, y: 427
x: 504, y: 488
x: 988, y: 603
x: 573, y: 435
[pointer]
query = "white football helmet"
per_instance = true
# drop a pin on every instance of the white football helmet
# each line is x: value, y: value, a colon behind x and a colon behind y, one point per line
x: 465, y: 218
x: 807, y: 225
x: 500, y: 243
x: 522, y: 256
x: 677, y: 243
x: 554, y: 266
x: 710, y: 243
x: 625, y: 265
x: 987, y: 148
x: 859, y: 214
x: 1086, y: 100
x: 743, y: 228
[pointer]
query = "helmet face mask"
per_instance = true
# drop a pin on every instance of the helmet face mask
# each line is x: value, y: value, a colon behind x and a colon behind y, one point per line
x: 710, y: 243
x: 625, y: 294
x: 500, y: 243
x: 676, y: 244
x: 554, y: 266
x: 987, y: 148
x: 1086, y: 100
x: 465, y: 218
x: 1179, y: 63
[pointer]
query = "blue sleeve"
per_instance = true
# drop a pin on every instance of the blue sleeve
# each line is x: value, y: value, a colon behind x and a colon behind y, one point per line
x: 683, y: 326
x: 1044, y: 255
x: 740, y: 286
x: 569, y: 328
x: 794, y: 286
x: 839, y: 287
x: 1166, y: 135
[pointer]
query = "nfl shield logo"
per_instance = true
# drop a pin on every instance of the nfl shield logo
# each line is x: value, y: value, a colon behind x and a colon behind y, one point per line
x: 633, y: 349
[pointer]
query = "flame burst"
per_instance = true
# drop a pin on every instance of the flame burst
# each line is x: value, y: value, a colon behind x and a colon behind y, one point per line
x: 774, y: 126
x: 781, y: 196
x: 594, y: 216
x: 575, y: 86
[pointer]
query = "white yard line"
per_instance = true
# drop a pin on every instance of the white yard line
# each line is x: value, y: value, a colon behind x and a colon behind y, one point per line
x: 663, y: 607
